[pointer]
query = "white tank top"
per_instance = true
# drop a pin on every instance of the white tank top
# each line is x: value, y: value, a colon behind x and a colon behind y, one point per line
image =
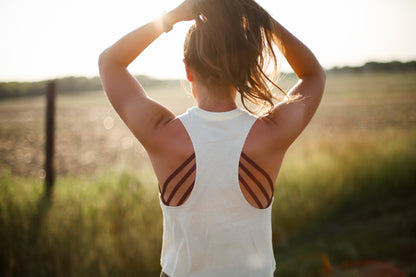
x: 216, y: 232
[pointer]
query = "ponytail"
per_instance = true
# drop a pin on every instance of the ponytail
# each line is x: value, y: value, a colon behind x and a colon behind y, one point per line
x: 232, y: 42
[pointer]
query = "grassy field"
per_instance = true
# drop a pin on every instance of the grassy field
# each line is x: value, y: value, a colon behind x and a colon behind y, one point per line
x: 345, y: 192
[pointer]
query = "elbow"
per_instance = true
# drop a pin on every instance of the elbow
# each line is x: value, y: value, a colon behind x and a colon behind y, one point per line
x: 321, y: 76
x: 108, y: 60
x: 102, y: 59
x: 105, y: 63
x: 316, y: 78
x: 319, y: 80
x: 316, y: 73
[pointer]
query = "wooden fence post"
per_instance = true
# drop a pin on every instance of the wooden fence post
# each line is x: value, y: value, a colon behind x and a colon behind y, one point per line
x: 50, y: 140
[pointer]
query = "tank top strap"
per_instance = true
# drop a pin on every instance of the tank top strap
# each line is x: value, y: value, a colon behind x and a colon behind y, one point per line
x: 217, y: 130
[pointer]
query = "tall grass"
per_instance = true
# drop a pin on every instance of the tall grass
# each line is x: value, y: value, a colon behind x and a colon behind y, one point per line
x: 356, y: 169
x: 347, y: 201
x: 111, y: 225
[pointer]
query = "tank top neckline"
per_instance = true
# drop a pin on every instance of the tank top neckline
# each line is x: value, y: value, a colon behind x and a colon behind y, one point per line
x: 216, y: 115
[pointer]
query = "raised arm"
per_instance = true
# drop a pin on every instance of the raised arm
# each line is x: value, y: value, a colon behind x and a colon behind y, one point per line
x: 142, y: 115
x: 291, y: 117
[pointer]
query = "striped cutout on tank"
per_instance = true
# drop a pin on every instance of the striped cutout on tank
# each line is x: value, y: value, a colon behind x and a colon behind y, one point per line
x: 178, y: 186
x: 255, y: 183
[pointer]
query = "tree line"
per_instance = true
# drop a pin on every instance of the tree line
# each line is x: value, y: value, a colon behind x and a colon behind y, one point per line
x: 64, y: 85
x: 67, y: 85
x: 377, y: 67
x: 74, y: 85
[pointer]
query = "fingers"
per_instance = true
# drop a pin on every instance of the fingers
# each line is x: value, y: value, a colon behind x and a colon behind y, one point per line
x: 184, y: 11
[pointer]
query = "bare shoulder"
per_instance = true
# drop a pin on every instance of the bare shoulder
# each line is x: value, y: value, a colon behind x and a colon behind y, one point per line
x: 262, y: 146
x: 169, y: 147
x: 171, y: 137
x: 265, y: 135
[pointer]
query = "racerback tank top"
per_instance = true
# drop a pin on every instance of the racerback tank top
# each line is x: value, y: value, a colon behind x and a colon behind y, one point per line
x: 216, y: 232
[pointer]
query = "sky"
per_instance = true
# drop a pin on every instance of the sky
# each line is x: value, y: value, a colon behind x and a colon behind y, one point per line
x: 48, y: 39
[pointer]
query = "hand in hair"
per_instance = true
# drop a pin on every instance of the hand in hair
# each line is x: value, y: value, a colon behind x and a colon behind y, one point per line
x: 183, y: 12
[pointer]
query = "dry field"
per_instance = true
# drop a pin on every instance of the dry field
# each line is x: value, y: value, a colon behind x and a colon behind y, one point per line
x: 345, y: 192
x: 90, y: 137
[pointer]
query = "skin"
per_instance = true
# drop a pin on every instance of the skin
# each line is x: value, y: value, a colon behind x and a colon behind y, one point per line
x: 164, y: 136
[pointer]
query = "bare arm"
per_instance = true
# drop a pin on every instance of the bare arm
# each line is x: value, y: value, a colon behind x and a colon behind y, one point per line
x: 143, y: 116
x: 292, y: 117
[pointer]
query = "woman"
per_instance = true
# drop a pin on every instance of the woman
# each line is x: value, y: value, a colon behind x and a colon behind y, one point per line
x: 216, y: 164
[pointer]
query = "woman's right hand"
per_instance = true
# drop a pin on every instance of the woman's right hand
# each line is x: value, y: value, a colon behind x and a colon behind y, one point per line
x: 183, y: 12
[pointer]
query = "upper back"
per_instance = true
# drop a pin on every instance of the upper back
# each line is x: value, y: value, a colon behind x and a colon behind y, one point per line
x: 234, y: 140
x: 217, y: 203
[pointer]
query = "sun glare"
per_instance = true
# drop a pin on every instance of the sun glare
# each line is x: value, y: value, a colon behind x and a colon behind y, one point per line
x: 48, y: 39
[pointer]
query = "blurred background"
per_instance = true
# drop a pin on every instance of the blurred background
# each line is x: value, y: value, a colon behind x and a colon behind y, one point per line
x: 344, y: 200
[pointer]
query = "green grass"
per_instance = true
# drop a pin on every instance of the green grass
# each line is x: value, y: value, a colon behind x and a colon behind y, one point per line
x: 345, y: 190
x: 109, y: 226
x: 360, y: 207
x: 350, y: 204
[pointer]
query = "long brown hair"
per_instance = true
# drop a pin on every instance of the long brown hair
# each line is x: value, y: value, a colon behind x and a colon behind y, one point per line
x: 232, y: 42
